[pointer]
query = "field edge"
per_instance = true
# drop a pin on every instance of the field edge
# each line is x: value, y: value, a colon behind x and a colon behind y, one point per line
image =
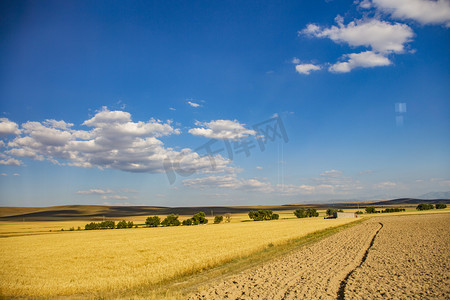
x: 179, y: 287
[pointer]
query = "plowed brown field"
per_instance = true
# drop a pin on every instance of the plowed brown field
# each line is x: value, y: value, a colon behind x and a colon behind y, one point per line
x: 395, y: 257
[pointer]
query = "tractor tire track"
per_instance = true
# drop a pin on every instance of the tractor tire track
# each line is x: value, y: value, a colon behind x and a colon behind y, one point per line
x: 343, y: 284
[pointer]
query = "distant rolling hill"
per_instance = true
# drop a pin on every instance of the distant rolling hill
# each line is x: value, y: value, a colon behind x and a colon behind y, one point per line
x: 405, y: 201
x: 97, y: 212
x: 435, y: 195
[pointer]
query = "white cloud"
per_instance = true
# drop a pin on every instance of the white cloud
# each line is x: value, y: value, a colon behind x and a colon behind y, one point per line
x: 331, y: 173
x: 385, y: 185
x: 306, y: 68
x: 330, y: 182
x: 8, y: 127
x: 4, y: 174
x: 222, y: 129
x: 172, y: 108
x: 422, y: 11
x: 259, y: 168
x: 112, y: 141
x: 16, y: 174
x: 295, y: 61
x: 10, y: 162
x: 366, y: 4
x: 193, y: 104
x: 381, y: 36
x: 94, y: 192
x: 114, y: 197
x: 25, y: 152
x: 229, y: 182
x: 367, y: 59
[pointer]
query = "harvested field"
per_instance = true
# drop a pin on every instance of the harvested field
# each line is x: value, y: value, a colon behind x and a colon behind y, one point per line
x: 393, y: 257
x: 410, y: 258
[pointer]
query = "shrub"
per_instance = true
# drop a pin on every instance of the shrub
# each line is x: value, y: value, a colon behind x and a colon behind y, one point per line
x: 187, y: 222
x: 218, y: 219
x: 311, y: 212
x: 107, y: 225
x: 153, y: 221
x: 371, y: 210
x: 130, y: 224
x: 300, y: 213
x: 262, y: 215
x: 101, y: 225
x: 390, y: 210
x: 171, y: 220
x: 441, y: 205
x: 306, y: 213
x: 275, y: 216
x: 122, y: 224
x: 359, y: 212
x: 72, y: 229
x: 199, y: 218
x: 330, y: 211
x: 424, y: 206
x: 91, y: 226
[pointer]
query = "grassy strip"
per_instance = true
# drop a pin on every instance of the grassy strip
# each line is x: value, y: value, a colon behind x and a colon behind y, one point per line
x: 179, y: 287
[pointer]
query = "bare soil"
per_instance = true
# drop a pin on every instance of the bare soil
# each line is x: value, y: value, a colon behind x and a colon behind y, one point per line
x: 410, y: 258
x: 394, y: 257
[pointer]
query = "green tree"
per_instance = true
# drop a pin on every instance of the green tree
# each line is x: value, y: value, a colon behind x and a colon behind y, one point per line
x: 424, y: 206
x: 171, y: 220
x: 122, y: 224
x: 311, y: 212
x: 330, y: 211
x: 441, y: 205
x: 371, y: 210
x: 199, y: 218
x: 187, y: 222
x: 218, y: 219
x: 153, y: 221
x: 300, y: 213
x: 262, y: 215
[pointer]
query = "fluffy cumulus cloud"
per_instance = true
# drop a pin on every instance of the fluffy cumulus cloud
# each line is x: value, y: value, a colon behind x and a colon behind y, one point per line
x: 380, y: 36
x: 8, y: 127
x: 222, y: 129
x: 306, y: 68
x: 365, y: 59
x: 10, y: 162
x: 112, y: 140
x: 422, y: 11
x: 230, y: 181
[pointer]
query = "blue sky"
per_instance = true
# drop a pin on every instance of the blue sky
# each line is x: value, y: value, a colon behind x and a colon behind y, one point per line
x: 101, y: 100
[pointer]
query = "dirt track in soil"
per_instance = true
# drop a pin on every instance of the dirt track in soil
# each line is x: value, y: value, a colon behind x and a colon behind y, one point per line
x: 396, y: 257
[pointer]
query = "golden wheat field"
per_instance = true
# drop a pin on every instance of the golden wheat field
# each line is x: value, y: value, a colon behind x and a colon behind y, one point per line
x: 74, y: 262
